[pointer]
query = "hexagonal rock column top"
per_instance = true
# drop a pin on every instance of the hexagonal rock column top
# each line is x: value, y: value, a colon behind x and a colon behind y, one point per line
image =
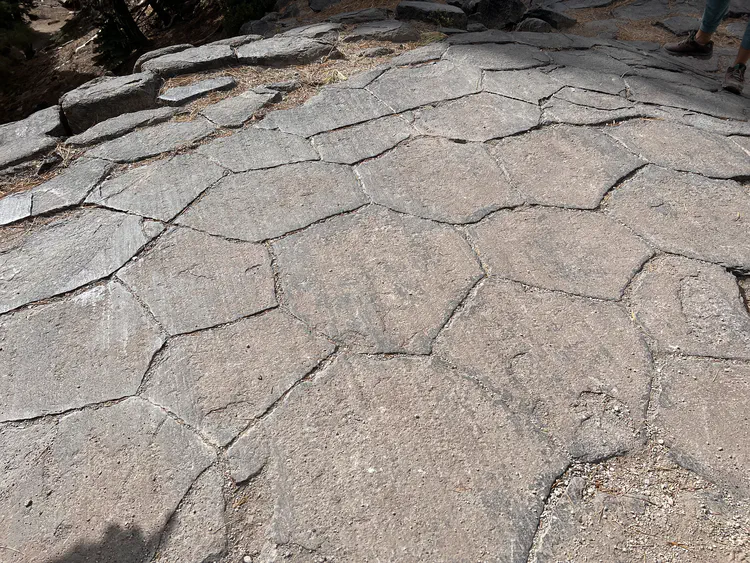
x: 219, y: 380
x: 528, y: 85
x: 331, y: 109
x: 353, y: 144
x: 701, y: 410
x: 578, y: 366
x: 401, y: 456
x: 195, y: 59
x: 191, y: 280
x: 491, y: 56
x: 98, y: 484
x: 97, y: 346
x: 692, y: 307
x: 565, y: 166
x: 265, y: 204
x: 581, y: 107
x: 569, y: 251
x: 152, y: 141
x: 687, y: 214
x: 379, y: 281
x: 159, y: 190
x: 408, y: 88
x: 253, y: 149
x: 438, y: 179
x: 480, y: 117
x: 683, y: 148
x: 68, y: 252
x: 107, y: 96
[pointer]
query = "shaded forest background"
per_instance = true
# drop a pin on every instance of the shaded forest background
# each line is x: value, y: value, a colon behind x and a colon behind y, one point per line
x: 48, y: 47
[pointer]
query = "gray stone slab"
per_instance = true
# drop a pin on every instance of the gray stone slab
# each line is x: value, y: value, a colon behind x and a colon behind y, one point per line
x: 607, y: 29
x: 120, y: 125
x: 738, y: 8
x: 478, y: 117
x: 492, y: 56
x: 109, y: 96
x: 21, y: 150
x: 67, y: 253
x: 70, y: 187
x: 687, y: 214
x: 265, y: 204
x: 736, y: 29
x: 708, y: 123
x: 693, y: 308
x: 122, y: 470
x: 361, y: 16
x: 97, y: 346
x: 575, y: 169
x: 197, y: 59
x: 354, y: 144
x: 408, y: 88
x: 283, y: 51
x: 330, y: 109
x: 578, y: 365
x: 643, y: 10
x: 15, y: 207
x: 593, y: 80
x: 701, y: 410
x: 441, y: 14
x: 743, y: 142
x: 191, y: 280
x: 152, y: 141
x: 686, y: 78
x: 236, y: 110
x: 591, y: 61
x: 534, y: 25
x: 169, y: 50
x: 660, y: 92
x: 488, y: 36
x: 238, y: 40
x: 440, y: 180
x: 387, y: 30
x: 376, y: 280
x: 252, y: 149
x: 159, y: 190
x: 568, y: 251
x: 361, y: 80
x: 430, y: 52
x: 680, y: 25
x: 421, y: 444
x: 582, y: 107
x: 323, y: 31
x: 581, y: 4
x: 528, y: 85
x: 683, y: 148
x: 219, y: 381
x: 196, y: 532
x: 183, y: 94
x: 43, y: 122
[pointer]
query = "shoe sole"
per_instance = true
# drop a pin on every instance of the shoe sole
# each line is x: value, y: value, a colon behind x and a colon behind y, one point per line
x: 733, y: 89
x: 703, y: 57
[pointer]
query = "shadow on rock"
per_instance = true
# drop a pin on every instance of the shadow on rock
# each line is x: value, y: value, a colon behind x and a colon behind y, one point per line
x: 119, y: 545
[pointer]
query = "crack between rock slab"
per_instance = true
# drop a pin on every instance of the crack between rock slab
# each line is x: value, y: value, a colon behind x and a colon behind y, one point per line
x: 309, y: 376
x: 149, y: 313
x: 457, y: 310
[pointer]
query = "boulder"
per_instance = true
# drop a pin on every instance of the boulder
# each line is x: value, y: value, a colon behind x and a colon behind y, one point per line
x: 326, y: 32
x: 534, y: 25
x: 106, y: 97
x: 158, y: 53
x: 387, y: 30
x: 259, y: 27
x: 442, y: 14
x: 283, y: 51
x: 238, y: 40
x: 184, y: 94
x: 556, y: 19
x: 499, y: 13
x: 21, y: 141
x: 361, y: 16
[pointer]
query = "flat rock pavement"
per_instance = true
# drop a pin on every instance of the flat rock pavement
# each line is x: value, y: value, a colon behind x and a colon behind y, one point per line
x: 389, y: 324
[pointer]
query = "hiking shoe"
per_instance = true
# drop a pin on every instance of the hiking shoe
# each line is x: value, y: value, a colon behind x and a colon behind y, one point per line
x: 690, y: 48
x: 734, y: 79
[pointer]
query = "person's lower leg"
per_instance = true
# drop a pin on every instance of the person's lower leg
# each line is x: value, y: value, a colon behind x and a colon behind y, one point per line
x: 743, y: 55
x: 713, y: 14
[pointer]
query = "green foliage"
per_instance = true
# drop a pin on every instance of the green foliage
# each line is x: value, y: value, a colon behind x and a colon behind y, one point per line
x: 237, y: 12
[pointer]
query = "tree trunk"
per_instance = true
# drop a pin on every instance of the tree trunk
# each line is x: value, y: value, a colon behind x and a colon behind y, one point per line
x: 124, y: 18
